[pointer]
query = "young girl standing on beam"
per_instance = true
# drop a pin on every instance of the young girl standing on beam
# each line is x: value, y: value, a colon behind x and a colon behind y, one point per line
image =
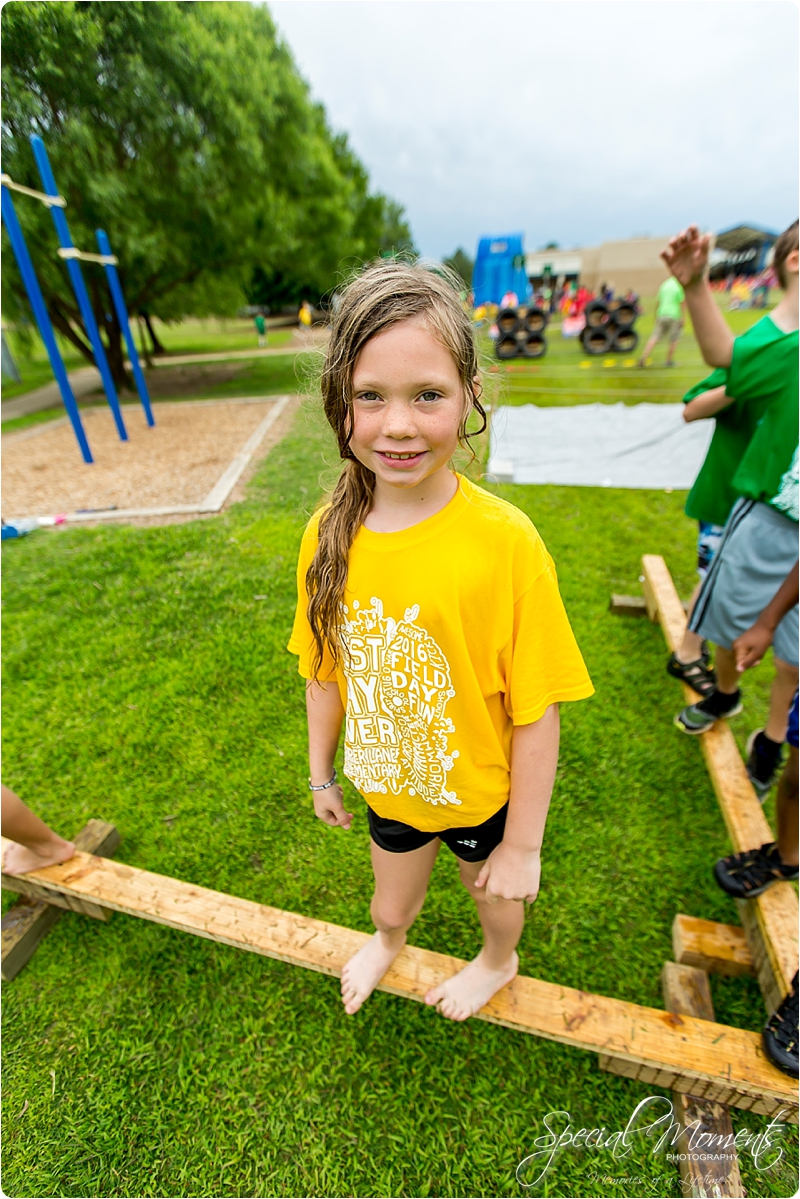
x: 429, y: 621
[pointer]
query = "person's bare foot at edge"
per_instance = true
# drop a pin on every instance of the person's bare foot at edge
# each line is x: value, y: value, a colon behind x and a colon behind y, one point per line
x: 467, y: 992
x: 365, y: 969
x: 19, y: 859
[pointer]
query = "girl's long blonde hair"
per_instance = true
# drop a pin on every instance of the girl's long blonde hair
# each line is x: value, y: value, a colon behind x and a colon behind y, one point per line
x: 383, y: 294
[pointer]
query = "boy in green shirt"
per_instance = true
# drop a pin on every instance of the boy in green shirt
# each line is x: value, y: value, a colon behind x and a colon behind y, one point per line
x: 759, y: 546
x: 713, y: 494
x: 669, y: 320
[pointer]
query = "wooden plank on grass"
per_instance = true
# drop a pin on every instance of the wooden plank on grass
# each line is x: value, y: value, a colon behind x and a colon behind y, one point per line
x: 707, y: 1161
x: 28, y: 921
x: 717, y: 948
x: 707, y: 1059
x: 772, y: 931
x: 628, y: 605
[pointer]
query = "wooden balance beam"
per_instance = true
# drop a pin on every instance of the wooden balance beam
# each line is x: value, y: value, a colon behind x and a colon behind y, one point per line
x: 770, y: 920
x: 681, y: 1052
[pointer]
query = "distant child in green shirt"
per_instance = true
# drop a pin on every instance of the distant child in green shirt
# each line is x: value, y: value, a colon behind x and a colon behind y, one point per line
x: 759, y: 546
x: 669, y: 320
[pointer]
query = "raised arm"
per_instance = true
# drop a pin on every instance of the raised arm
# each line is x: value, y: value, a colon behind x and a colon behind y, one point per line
x: 325, y: 715
x: 708, y: 403
x: 686, y: 257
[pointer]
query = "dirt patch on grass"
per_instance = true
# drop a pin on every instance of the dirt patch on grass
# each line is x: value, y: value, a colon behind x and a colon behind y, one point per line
x: 177, y: 462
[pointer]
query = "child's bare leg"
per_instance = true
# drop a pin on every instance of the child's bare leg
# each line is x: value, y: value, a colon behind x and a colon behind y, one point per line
x: 784, y: 686
x: 497, y: 963
x: 36, y: 845
x: 401, y: 881
x: 727, y: 674
x: 648, y: 349
x: 691, y: 646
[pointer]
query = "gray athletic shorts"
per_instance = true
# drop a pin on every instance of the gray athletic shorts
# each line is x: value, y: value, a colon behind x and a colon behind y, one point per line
x: 757, y: 551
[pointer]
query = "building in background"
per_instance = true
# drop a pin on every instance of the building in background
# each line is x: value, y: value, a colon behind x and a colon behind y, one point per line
x: 743, y: 250
x: 634, y: 263
x: 499, y: 268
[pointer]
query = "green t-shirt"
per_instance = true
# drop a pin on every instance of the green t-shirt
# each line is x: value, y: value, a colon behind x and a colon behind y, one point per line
x: 670, y: 298
x: 765, y: 364
x: 762, y: 378
x: 720, y: 482
x: 713, y: 493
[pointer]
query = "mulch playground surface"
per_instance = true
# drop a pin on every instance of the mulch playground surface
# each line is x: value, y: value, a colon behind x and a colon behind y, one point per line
x: 176, y: 462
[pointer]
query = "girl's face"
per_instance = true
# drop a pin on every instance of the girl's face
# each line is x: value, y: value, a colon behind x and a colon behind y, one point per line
x: 408, y: 403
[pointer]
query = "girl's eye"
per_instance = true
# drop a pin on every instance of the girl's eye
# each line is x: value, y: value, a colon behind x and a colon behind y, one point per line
x: 368, y: 397
x: 429, y: 396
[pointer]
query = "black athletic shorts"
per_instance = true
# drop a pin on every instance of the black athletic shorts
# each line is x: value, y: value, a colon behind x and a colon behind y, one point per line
x: 471, y: 844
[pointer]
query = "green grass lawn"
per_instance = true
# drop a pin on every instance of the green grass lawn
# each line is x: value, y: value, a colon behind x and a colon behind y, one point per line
x: 145, y: 684
x: 190, y: 336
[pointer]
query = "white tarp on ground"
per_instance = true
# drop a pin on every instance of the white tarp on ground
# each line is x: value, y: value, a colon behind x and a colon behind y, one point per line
x: 598, y: 445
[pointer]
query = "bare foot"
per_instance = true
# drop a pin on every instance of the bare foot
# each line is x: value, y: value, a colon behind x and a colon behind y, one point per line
x: 468, y: 991
x: 366, y: 968
x: 21, y: 860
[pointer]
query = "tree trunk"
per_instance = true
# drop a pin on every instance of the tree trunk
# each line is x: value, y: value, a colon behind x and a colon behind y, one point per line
x: 157, y: 346
x: 116, y: 355
x: 62, y: 321
x: 145, y: 350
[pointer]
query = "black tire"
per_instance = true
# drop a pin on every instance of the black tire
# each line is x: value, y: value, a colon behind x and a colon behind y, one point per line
x: 596, y: 312
x: 626, y: 340
x: 534, y: 345
x: 596, y: 341
x: 506, y: 346
x: 535, y: 321
x: 625, y: 315
x: 507, y: 320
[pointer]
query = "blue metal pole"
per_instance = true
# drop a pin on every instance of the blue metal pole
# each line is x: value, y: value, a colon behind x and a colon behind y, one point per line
x: 43, y: 319
x: 122, y: 316
x: 79, y: 287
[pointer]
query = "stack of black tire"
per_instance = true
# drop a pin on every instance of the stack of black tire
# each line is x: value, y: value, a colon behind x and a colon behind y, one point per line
x: 520, y: 333
x: 609, y: 327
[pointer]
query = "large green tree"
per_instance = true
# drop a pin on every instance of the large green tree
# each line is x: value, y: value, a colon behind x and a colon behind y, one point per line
x: 185, y: 130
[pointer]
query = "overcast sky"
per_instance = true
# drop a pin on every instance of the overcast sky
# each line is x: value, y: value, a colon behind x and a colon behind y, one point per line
x: 571, y: 121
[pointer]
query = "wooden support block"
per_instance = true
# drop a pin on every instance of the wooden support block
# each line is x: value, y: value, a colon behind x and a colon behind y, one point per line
x: 717, y: 948
x: 772, y: 931
x: 633, y: 605
x: 710, y: 1166
x: 29, y: 920
x: 628, y: 605
x: 708, y: 1059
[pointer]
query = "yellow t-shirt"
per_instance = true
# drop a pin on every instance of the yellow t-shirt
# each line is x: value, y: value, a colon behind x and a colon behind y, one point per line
x: 456, y: 633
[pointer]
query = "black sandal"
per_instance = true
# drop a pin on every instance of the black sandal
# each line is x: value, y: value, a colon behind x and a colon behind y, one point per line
x: 697, y: 674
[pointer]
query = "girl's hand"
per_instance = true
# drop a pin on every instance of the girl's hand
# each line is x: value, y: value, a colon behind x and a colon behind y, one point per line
x: 510, y: 873
x: 687, y: 255
x: 329, y: 806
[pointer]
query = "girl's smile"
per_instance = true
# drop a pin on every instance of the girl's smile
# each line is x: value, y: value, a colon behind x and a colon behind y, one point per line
x: 408, y: 404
